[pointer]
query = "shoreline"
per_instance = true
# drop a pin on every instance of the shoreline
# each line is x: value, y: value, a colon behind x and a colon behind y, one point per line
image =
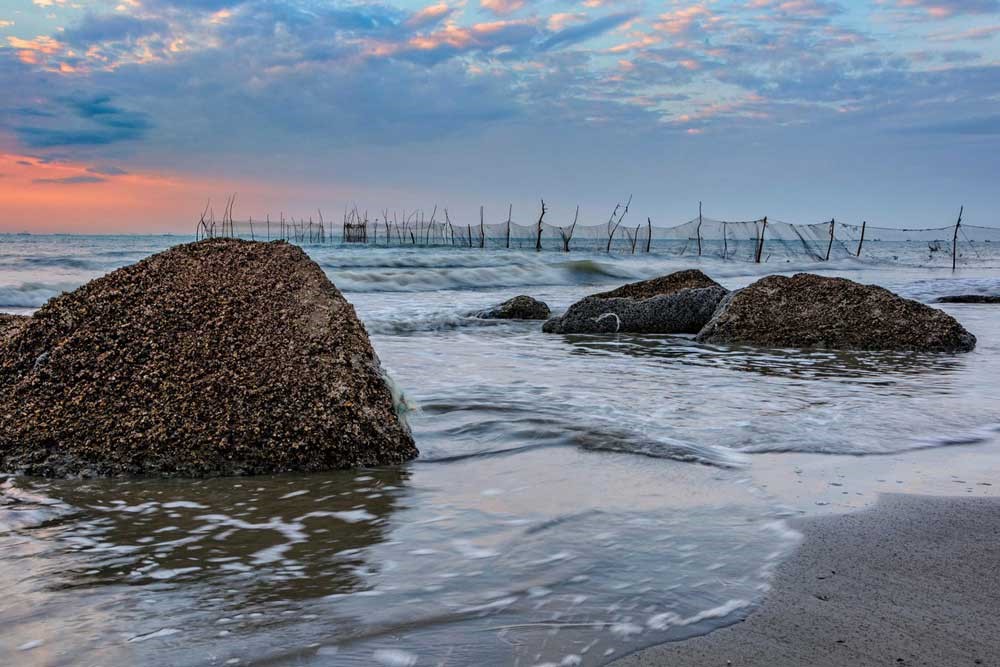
x: 908, y: 581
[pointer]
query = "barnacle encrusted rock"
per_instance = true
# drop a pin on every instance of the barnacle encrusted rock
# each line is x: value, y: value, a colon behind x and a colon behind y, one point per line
x: 807, y: 310
x: 521, y: 307
x: 680, y: 302
x: 212, y: 358
x: 10, y: 324
x: 668, y: 284
x: 970, y: 298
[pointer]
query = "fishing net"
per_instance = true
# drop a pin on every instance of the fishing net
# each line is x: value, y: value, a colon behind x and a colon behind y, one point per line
x: 763, y: 240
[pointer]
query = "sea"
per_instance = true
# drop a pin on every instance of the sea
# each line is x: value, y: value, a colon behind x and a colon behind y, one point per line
x: 576, y: 498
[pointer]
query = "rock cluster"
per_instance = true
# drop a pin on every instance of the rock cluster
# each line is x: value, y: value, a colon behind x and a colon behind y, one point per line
x: 216, y: 357
x: 807, y: 310
x: 804, y: 310
x: 521, y: 307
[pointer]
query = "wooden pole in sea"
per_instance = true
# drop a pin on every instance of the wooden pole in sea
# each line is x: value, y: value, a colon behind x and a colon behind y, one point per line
x: 864, y: 223
x: 954, y: 239
x: 760, y: 241
x: 829, y: 247
x: 538, y: 238
x: 698, y: 231
x: 510, y: 212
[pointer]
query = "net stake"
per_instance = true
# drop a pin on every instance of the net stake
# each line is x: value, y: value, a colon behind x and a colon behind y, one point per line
x: 510, y: 212
x: 760, y: 241
x: 954, y: 239
x: 538, y: 239
x: 698, y: 230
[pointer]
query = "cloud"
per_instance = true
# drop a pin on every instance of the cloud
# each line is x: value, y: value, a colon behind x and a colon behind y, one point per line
x: 284, y: 77
x: 943, y: 9
x: 31, y: 112
x: 585, y: 31
x: 99, y: 28
x: 560, y: 20
x: 108, y: 171
x: 973, y: 34
x: 452, y: 40
x: 683, y: 21
x: 103, y: 124
x: 70, y: 180
x: 502, y: 7
x: 198, y: 5
x: 429, y: 15
x: 297, y: 28
x: 35, y: 51
x: 796, y: 10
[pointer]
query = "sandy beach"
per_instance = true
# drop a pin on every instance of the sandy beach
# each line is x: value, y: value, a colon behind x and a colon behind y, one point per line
x: 910, y: 581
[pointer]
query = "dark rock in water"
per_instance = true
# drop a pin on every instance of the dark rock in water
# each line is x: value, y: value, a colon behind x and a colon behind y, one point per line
x: 519, y: 308
x: 970, y: 298
x: 11, y: 324
x: 684, y: 311
x: 680, y: 302
x: 212, y: 358
x: 807, y: 310
x: 668, y: 284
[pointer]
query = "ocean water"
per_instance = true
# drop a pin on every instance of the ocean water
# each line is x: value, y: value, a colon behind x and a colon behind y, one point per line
x: 576, y: 497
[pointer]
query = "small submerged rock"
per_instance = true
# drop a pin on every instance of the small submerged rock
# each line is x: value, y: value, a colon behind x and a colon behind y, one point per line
x: 680, y: 302
x: 216, y: 357
x: 807, y: 310
x: 521, y: 307
x: 970, y: 298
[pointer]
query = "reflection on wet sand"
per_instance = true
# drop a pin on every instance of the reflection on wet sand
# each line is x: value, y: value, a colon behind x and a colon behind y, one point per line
x: 300, y: 537
x: 121, y: 563
x: 498, y: 560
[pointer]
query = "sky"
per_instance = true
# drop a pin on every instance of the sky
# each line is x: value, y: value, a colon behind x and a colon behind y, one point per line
x: 131, y: 115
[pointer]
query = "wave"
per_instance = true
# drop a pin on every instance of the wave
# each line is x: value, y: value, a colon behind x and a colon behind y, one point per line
x: 51, y: 262
x: 482, y: 276
x: 31, y: 295
x: 972, y: 436
x: 426, y: 322
x: 496, y: 424
x: 932, y: 289
x: 433, y: 270
x: 21, y: 508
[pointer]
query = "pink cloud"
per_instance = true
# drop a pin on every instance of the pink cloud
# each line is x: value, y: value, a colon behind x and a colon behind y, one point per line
x: 944, y: 9
x: 562, y: 19
x: 681, y: 21
x: 984, y: 32
x: 486, y: 35
x: 429, y: 15
x: 37, y: 51
x: 502, y: 7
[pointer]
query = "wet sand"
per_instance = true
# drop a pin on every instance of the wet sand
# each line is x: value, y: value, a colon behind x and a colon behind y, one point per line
x: 910, y: 581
